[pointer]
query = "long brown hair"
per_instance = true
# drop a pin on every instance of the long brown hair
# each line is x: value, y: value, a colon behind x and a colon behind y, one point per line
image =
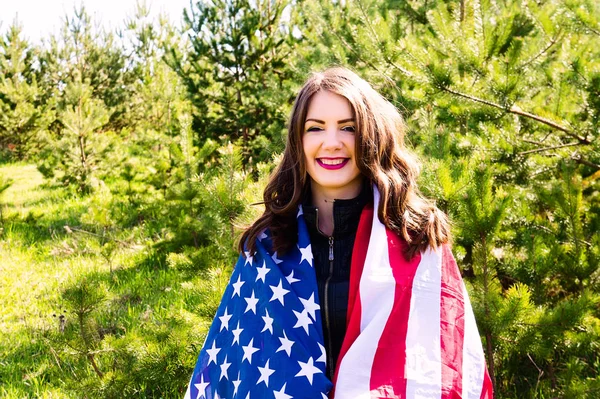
x: 381, y: 156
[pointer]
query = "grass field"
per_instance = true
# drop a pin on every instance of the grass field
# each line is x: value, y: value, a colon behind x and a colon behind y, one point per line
x: 83, y: 316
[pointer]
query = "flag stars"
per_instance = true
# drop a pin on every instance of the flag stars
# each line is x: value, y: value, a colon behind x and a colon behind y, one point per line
x: 306, y: 254
x: 275, y: 258
x: 323, y: 357
x: 281, y: 393
x: 291, y: 279
x: 268, y: 322
x: 237, y: 286
x: 225, y: 321
x: 286, y: 345
x: 311, y: 306
x: 307, y: 370
x: 249, y: 351
x: 224, y: 368
x: 251, y: 303
x: 303, y: 320
x: 248, y: 258
x: 278, y: 292
x: 212, y: 352
x: 262, y: 272
x: 236, y: 384
x: 236, y: 334
x: 201, y: 387
x: 265, y: 373
x: 263, y: 235
x: 230, y: 324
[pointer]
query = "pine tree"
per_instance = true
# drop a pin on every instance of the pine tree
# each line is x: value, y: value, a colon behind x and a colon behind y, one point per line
x: 22, y: 116
x: 76, y: 156
x: 86, y: 53
x: 236, y: 73
x: 84, y: 78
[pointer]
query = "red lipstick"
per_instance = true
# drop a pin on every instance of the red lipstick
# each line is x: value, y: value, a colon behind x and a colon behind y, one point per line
x: 333, y: 167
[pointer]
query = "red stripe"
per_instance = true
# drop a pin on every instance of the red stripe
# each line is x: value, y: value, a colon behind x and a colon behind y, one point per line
x: 487, y: 390
x: 359, y: 254
x: 452, y: 326
x: 388, y: 376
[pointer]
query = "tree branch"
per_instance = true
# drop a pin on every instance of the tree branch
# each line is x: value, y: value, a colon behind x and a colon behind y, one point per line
x: 532, y: 142
x: 548, y: 148
x: 577, y: 158
x: 544, y: 50
x: 518, y: 111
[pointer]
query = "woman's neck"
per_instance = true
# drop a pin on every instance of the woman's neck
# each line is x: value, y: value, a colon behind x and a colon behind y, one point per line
x: 323, y: 201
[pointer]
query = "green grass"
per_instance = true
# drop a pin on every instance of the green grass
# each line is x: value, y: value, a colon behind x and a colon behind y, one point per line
x: 30, y: 280
x: 149, y: 309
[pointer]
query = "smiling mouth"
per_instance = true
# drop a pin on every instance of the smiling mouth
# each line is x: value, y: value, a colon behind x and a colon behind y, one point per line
x: 335, y: 163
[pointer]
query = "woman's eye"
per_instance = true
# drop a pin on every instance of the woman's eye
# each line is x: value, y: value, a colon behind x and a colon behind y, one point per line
x: 349, y: 128
x: 313, y: 129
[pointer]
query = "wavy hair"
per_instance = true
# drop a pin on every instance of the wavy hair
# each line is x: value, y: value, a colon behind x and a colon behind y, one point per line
x: 381, y: 157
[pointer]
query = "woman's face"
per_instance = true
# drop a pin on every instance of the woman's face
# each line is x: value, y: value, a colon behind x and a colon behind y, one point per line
x: 328, y: 143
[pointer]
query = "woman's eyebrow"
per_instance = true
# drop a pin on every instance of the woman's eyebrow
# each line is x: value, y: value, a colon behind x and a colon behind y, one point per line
x: 323, y: 122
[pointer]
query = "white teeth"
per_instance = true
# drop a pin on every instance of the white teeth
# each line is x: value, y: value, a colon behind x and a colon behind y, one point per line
x: 332, y: 161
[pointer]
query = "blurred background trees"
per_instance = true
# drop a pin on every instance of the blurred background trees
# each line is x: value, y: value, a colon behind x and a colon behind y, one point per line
x: 168, y: 133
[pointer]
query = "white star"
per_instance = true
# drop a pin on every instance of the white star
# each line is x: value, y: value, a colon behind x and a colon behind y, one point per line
x: 252, y: 301
x: 300, y: 211
x: 265, y: 373
x: 310, y: 306
x: 212, y: 352
x: 278, y: 292
x: 275, y: 258
x: 262, y: 272
x: 201, y: 387
x: 291, y: 279
x: 306, y: 254
x: 323, y: 357
x: 281, y: 393
x: 236, y: 384
x: 224, y: 368
x: 268, y: 322
x: 308, y: 369
x: 248, y: 258
x: 249, y: 351
x: 225, y: 321
x: 286, y: 345
x: 236, y: 334
x: 237, y: 286
x: 262, y: 235
x: 303, y: 320
x: 323, y: 396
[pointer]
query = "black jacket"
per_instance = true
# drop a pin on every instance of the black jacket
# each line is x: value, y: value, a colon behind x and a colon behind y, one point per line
x: 333, y: 276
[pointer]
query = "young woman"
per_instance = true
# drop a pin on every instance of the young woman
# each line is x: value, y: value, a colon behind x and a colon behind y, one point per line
x: 346, y: 287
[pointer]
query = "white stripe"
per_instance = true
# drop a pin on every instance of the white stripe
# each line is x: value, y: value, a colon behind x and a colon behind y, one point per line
x: 377, y: 291
x: 423, y: 346
x: 188, y: 394
x: 473, y: 359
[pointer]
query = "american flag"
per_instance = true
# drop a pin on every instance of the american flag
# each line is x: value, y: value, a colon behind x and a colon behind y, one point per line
x: 266, y: 340
x: 411, y: 329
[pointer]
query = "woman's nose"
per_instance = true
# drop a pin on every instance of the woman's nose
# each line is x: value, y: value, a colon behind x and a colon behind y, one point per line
x: 332, y: 139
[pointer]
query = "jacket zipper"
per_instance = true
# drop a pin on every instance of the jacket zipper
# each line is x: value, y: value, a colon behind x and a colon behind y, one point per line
x: 326, y: 298
x: 326, y: 292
